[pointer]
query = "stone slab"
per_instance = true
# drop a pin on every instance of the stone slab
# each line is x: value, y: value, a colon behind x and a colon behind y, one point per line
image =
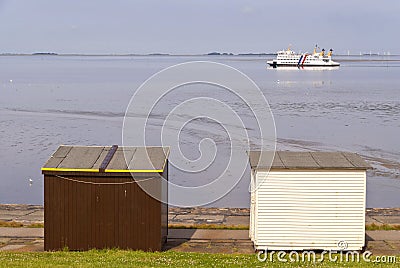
x: 384, y: 235
x: 14, y: 213
x: 33, y: 217
x: 180, y: 233
x: 383, y: 211
x: 377, y: 245
x: 395, y: 245
x: 371, y: 220
x: 204, y: 218
x: 237, y: 220
x: 6, y: 217
x: 209, y: 211
x: 382, y: 248
x: 388, y: 219
x: 205, y: 234
x: 11, y: 247
x: 21, y: 232
x: 4, y: 240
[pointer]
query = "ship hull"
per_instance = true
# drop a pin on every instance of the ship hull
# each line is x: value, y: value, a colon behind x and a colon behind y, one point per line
x: 304, y: 65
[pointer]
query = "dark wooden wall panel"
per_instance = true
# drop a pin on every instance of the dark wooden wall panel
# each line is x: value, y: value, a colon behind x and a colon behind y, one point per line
x: 82, y: 216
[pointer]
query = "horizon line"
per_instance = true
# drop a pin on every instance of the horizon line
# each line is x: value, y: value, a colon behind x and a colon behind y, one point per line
x: 215, y: 53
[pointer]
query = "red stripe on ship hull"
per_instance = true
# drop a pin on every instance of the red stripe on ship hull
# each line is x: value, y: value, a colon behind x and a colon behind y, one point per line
x: 305, y: 56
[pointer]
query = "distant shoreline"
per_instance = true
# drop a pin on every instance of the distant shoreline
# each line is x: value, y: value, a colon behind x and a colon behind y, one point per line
x: 339, y: 58
x: 140, y: 55
x: 364, y: 57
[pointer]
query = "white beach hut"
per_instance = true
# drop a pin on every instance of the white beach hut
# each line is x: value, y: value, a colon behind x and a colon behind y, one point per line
x: 308, y: 201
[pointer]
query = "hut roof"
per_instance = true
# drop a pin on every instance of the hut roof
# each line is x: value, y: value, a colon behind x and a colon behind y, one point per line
x: 308, y: 160
x: 108, y: 159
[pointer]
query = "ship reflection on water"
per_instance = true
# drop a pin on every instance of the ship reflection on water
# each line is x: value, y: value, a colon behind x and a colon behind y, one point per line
x: 308, y: 84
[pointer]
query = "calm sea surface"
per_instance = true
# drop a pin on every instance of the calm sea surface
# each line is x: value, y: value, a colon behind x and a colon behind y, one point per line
x: 46, y: 101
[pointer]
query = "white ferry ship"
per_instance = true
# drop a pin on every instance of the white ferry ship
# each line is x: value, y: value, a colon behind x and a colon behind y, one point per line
x: 290, y: 58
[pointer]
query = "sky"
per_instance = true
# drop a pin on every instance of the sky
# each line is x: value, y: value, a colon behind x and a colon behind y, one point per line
x: 197, y: 27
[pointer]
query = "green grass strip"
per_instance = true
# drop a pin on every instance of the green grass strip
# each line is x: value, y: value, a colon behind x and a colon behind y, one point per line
x: 121, y: 258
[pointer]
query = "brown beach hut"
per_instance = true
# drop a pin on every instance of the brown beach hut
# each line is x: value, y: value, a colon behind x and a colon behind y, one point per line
x: 103, y: 197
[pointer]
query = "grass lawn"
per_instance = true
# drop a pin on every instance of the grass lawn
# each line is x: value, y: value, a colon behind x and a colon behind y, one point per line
x: 120, y: 258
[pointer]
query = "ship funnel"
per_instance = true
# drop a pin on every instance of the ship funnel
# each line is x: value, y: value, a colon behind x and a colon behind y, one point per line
x: 330, y: 52
x: 322, y: 52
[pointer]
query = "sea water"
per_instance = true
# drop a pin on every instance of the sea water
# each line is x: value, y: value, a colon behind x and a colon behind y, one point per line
x: 46, y: 101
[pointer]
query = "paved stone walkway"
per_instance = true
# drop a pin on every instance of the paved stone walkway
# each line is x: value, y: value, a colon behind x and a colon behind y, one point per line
x: 192, y: 240
x: 28, y: 214
x: 240, y: 216
x: 199, y: 216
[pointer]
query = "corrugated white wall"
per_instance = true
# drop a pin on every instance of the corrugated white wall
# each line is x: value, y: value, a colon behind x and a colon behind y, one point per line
x: 298, y: 210
x: 252, y: 205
